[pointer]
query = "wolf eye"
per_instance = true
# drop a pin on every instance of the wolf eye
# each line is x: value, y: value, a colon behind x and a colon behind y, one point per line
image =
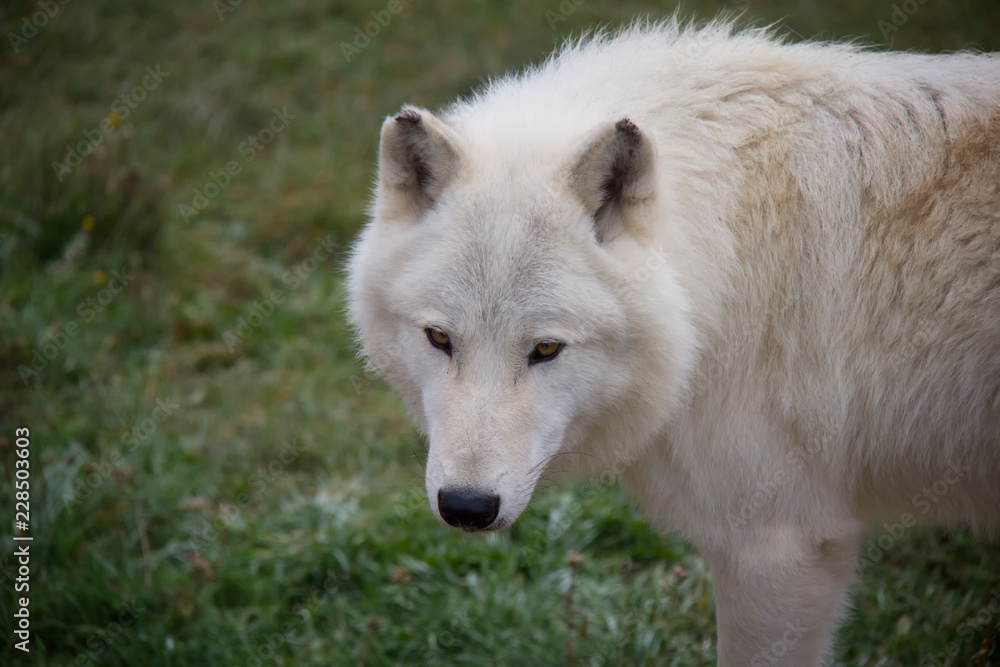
x: 547, y: 349
x: 439, y: 339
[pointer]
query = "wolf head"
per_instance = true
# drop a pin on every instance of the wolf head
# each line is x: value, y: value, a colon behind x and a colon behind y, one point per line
x: 522, y: 304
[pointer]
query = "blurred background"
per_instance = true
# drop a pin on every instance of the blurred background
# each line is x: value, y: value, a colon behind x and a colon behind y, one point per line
x: 215, y: 480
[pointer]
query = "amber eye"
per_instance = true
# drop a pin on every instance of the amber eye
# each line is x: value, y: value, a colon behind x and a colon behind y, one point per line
x: 544, y: 351
x: 439, y: 339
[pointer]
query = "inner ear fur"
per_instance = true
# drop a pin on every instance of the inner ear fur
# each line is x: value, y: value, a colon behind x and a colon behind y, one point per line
x: 613, y: 174
x: 417, y: 158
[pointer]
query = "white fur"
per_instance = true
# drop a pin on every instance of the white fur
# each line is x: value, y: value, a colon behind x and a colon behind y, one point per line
x: 790, y: 332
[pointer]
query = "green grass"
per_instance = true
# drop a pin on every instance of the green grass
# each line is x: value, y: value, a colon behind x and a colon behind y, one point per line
x: 273, y: 511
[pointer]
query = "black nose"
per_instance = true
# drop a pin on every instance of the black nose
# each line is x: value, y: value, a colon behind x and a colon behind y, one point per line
x: 465, y: 508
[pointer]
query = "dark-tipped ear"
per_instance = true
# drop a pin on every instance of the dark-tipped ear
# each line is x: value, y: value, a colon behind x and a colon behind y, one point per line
x: 416, y: 158
x: 613, y: 175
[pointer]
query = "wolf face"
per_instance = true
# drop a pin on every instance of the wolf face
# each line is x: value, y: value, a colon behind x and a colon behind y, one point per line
x: 501, y: 303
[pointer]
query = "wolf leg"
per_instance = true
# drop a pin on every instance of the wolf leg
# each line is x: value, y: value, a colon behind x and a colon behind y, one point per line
x: 780, y: 595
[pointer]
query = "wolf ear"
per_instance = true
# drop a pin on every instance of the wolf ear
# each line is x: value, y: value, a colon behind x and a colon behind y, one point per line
x: 416, y: 159
x: 613, y: 174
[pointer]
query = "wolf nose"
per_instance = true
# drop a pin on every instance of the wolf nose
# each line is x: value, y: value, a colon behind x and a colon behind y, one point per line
x: 465, y: 508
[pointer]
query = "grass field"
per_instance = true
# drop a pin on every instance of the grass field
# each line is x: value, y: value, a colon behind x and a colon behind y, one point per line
x: 214, y: 479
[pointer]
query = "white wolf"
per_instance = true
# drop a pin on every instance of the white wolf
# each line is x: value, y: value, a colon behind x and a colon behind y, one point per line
x: 760, y: 281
